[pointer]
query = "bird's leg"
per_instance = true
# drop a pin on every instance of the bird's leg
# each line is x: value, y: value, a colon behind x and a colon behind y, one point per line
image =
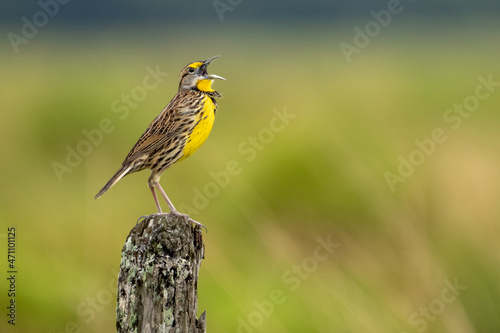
x: 169, y: 203
x: 152, y: 188
x: 171, y: 206
x: 156, y: 198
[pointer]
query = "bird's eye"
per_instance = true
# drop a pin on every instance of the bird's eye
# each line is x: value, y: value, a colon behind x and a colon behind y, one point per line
x: 190, y: 70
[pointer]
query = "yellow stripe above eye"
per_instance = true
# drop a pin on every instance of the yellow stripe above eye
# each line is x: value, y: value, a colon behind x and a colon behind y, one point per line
x: 195, y: 64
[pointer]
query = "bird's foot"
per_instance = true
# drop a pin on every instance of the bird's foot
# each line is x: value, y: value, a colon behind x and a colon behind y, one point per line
x: 177, y: 214
x: 141, y: 217
x: 194, y: 221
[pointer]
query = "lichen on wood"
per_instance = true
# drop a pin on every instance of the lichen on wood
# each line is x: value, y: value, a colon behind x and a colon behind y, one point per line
x: 158, y: 280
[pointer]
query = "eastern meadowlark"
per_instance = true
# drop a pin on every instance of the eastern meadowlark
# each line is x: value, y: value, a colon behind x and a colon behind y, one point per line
x: 176, y: 133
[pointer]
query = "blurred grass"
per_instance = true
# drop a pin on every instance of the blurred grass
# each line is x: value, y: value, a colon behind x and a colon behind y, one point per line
x: 323, y: 175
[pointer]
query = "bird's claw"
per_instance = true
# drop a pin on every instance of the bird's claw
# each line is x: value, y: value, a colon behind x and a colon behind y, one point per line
x: 186, y: 216
x: 141, y: 217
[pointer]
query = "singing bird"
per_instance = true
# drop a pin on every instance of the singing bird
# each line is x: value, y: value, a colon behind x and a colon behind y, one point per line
x: 176, y: 133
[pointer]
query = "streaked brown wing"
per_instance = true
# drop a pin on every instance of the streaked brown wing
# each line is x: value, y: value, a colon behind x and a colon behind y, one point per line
x: 164, y: 127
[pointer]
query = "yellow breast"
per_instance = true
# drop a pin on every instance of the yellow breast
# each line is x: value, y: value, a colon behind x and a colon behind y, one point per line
x: 201, y: 131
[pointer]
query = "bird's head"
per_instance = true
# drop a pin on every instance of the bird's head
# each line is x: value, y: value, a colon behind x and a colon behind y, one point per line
x: 195, y: 76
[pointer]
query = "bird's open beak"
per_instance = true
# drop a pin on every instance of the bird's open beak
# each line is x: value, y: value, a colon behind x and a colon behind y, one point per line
x: 206, y: 62
x: 204, y: 70
x: 213, y: 76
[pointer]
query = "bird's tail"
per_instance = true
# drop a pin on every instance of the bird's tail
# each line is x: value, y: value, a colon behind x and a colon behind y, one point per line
x: 116, y: 177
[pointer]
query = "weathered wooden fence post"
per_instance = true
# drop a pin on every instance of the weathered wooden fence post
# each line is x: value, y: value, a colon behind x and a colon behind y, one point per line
x: 158, y: 280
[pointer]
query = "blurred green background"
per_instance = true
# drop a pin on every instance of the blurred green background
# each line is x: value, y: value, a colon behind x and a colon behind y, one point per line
x: 415, y: 254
